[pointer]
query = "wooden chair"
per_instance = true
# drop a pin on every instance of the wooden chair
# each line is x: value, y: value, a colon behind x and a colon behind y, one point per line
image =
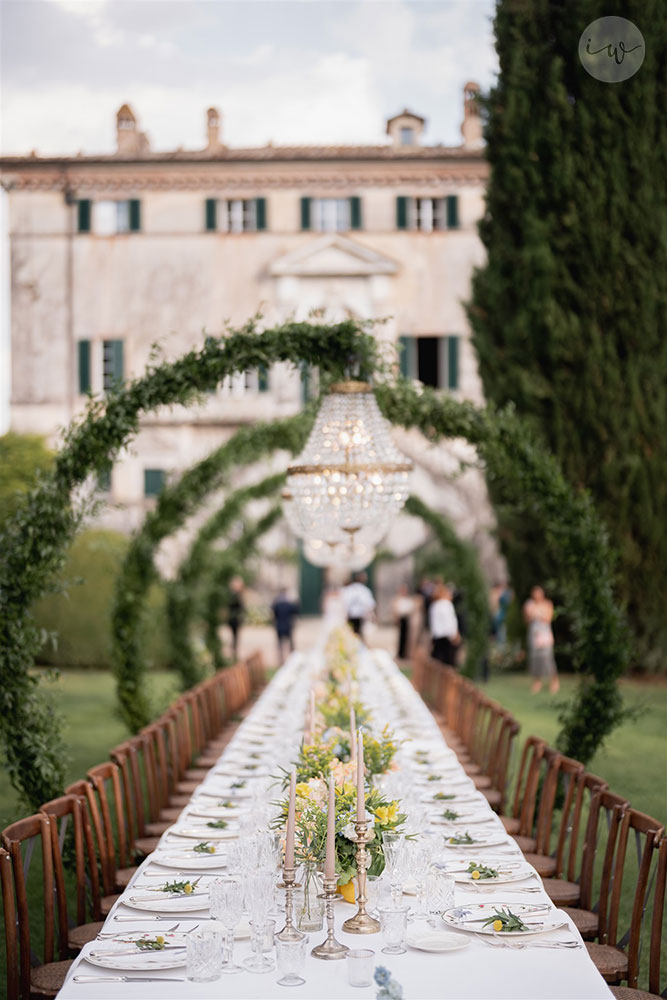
x: 164, y: 743
x: 46, y: 978
x: 102, y: 883
x: 67, y: 812
x: 565, y: 888
x: 520, y: 820
x: 613, y: 962
x: 111, y: 826
x: 500, y: 756
x: 545, y: 780
x: 564, y: 776
x: 584, y: 913
x: 630, y: 992
x: 142, y: 841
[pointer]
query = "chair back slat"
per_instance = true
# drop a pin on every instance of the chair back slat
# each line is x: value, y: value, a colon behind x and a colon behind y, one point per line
x: 16, y: 984
x: 657, y: 919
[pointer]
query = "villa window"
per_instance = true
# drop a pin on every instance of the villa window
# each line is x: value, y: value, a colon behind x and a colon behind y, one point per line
x: 235, y: 215
x: 331, y: 215
x: 427, y: 215
x: 433, y: 361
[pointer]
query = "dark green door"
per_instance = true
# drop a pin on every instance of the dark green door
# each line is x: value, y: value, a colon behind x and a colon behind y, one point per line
x: 311, y: 581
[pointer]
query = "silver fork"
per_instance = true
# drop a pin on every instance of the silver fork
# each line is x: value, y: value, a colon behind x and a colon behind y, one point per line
x: 522, y: 945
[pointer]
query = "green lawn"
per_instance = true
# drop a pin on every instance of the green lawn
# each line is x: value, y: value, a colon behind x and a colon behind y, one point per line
x: 634, y: 760
x: 86, y: 701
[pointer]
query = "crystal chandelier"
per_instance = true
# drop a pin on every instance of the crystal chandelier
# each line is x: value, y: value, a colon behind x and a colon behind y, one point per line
x: 350, y: 478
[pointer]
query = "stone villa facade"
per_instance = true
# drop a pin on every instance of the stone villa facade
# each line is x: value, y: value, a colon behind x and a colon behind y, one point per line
x: 113, y: 254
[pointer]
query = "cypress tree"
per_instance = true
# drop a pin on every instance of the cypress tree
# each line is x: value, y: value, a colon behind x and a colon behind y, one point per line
x: 569, y: 313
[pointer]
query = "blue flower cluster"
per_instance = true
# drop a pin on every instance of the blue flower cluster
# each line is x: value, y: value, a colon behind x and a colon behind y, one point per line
x: 390, y: 989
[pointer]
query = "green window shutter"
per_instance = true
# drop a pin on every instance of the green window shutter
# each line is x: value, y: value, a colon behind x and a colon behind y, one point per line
x: 452, y: 362
x: 407, y: 356
x: 112, y: 354
x: 104, y: 479
x: 84, y: 366
x: 452, y: 211
x: 153, y: 482
x: 83, y: 215
x: 355, y: 212
x: 263, y: 378
x: 211, y: 215
x: 260, y: 213
x: 401, y: 212
x: 135, y: 215
x: 305, y: 213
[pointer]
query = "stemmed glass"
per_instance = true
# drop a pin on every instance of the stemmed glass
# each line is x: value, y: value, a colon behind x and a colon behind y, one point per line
x: 259, y: 896
x: 418, y: 859
x: 226, y: 905
x: 394, y: 848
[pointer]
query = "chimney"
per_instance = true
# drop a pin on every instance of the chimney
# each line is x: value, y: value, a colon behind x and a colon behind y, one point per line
x: 471, y: 129
x: 213, y: 128
x: 129, y: 141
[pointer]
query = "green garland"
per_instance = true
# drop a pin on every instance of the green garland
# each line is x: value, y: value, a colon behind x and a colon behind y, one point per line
x: 182, y: 596
x: 226, y: 566
x: 33, y: 543
x: 174, y: 505
x: 468, y: 576
x: 529, y: 477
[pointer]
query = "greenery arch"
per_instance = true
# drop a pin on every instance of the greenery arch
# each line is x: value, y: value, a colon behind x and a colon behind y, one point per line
x: 34, y: 541
x: 529, y: 477
x: 174, y: 505
x: 469, y: 577
x: 182, y: 602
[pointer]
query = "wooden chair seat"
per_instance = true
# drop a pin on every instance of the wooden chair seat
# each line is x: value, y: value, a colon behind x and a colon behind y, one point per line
x: 196, y: 774
x: 585, y: 921
x: 186, y: 788
x: 208, y: 761
x: 481, y: 781
x: 471, y: 769
x: 561, y: 892
x: 511, y: 823
x: 172, y: 813
x: 625, y: 993
x: 525, y: 843
x: 146, y: 845
x: 47, y: 980
x: 178, y: 803
x: 544, y: 865
x: 611, y: 963
x: 78, y: 936
x: 124, y: 876
x: 158, y: 828
x: 108, y: 902
x: 493, y: 796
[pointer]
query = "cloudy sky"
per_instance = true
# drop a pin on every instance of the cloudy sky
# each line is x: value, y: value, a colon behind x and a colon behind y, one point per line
x: 309, y: 71
x: 289, y: 71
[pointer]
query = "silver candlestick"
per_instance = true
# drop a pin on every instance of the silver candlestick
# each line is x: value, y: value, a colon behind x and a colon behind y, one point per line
x: 362, y: 922
x: 330, y: 947
x: 289, y: 884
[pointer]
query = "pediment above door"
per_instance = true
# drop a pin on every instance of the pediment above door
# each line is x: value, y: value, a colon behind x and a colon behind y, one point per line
x: 333, y: 256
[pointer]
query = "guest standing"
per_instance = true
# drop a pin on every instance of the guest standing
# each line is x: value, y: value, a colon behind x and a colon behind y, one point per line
x: 403, y: 607
x: 359, y: 602
x: 284, y: 613
x: 538, y: 612
x: 235, y: 611
x: 444, y: 626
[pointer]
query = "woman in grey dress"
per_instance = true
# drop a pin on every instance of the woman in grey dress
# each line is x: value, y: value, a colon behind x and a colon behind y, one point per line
x: 538, y: 612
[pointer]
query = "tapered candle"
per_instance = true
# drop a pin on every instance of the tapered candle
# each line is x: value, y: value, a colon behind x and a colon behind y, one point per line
x: 330, y: 860
x: 353, y: 734
x: 361, y: 798
x: 291, y: 814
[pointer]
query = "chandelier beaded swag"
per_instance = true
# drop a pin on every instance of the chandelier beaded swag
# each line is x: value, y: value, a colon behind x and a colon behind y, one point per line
x: 349, y: 481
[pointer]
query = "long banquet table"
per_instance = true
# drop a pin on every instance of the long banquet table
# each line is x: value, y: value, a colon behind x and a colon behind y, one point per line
x: 478, y: 971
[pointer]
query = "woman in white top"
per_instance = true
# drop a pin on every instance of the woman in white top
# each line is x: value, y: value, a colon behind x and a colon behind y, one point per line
x: 444, y: 626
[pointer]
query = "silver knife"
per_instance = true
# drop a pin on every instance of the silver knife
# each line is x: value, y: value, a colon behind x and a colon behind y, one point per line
x: 125, y: 979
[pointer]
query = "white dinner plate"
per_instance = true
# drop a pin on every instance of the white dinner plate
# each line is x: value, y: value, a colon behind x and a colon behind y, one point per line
x: 541, y: 918
x: 444, y: 781
x: 239, y: 771
x: 190, y: 861
x: 204, y: 833
x: 212, y: 791
x: 479, y: 840
x: 464, y: 817
x: 462, y: 795
x: 427, y: 939
x: 117, y: 954
x: 215, y: 812
x: 514, y: 872
x: 162, y: 903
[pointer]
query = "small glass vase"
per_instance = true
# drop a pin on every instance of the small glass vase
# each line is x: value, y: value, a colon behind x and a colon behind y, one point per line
x: 309, y: 907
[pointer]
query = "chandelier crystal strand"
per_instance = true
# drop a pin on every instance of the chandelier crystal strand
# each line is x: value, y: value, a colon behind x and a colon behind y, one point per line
x: 352, y: 556
x: 350, y: 477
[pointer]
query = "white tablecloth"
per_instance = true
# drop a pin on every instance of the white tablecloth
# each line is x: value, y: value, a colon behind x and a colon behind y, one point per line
x: 478, y: 972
